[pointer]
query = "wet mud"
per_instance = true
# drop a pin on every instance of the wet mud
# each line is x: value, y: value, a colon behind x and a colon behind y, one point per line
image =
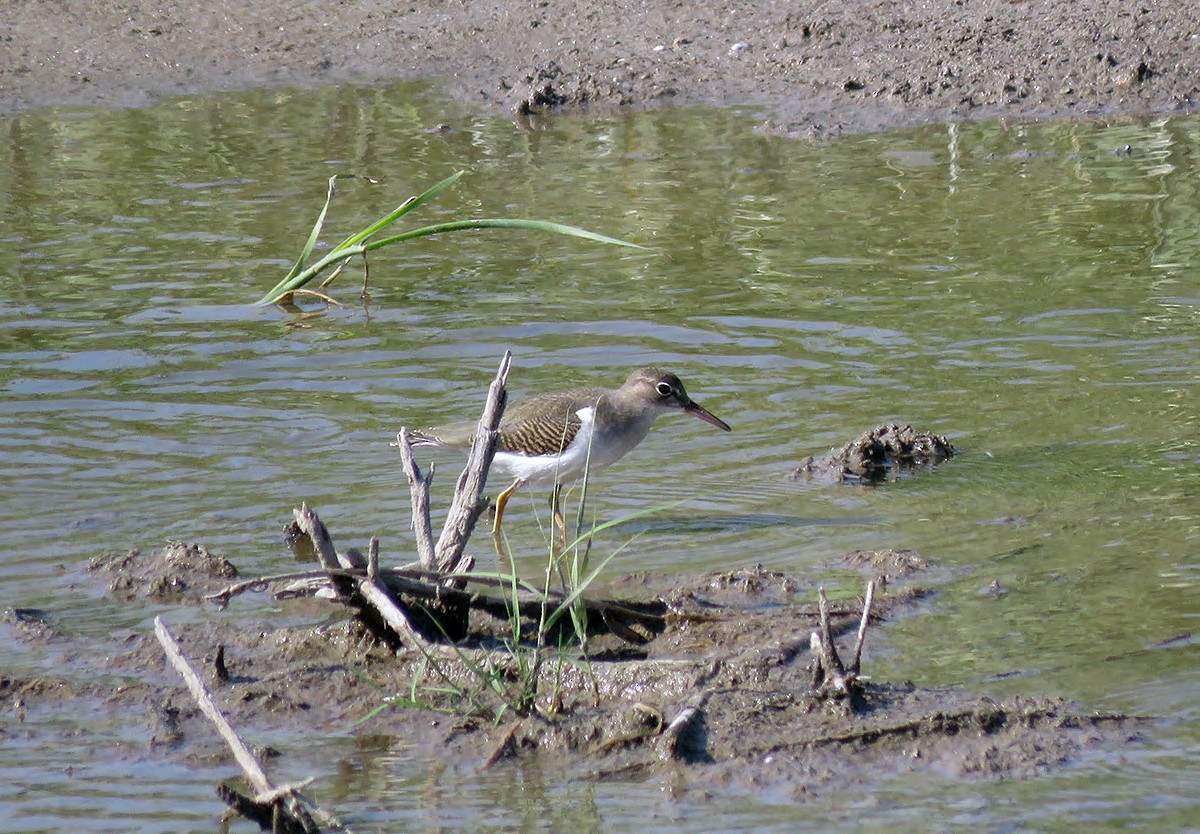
x: 720, y: 692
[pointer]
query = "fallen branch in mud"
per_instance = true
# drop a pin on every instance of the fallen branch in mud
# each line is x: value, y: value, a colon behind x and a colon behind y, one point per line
x: 282, y: 809
x: 498, y: 751
x: 430, y: 585
x: 987, y: 716
x: 355, y: 588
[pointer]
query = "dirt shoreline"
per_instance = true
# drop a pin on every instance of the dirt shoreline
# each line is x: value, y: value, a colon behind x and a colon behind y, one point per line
x: 715, y: 694
x: 817, y: 68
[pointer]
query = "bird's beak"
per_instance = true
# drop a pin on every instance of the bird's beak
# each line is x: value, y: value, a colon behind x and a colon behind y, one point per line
x: 706, y: 415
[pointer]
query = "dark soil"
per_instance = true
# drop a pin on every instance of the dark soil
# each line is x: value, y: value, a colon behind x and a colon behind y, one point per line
x: 815, y: 66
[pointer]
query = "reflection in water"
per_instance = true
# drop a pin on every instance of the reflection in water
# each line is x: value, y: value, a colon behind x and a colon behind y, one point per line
x: 1025, y: 289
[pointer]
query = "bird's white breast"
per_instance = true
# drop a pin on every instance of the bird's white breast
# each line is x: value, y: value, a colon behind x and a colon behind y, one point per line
x: 545, y: 470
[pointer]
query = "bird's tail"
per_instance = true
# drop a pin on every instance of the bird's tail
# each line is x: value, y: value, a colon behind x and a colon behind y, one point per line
x: 421, y: 438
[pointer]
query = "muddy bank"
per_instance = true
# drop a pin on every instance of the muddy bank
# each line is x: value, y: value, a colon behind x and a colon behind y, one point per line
x: 718, y: 694
x: 815, y: 67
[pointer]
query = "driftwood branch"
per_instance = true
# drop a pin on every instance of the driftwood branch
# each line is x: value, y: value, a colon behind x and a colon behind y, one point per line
x: 827, y: 650
x: 468, y: 505
x: 432, y: 586
x: 221, y: 598
x: 399, y: 579
x: 418, y: 486
x: 310, y: 525
x: 391, y: 613
x: 468, y: 502
x: 279, y: 809
x: 358, y: 587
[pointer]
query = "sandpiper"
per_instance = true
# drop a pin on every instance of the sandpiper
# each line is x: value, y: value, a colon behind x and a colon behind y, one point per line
x: 551, y: 438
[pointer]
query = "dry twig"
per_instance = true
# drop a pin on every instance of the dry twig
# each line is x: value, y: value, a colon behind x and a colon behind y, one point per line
x: 829, y: 673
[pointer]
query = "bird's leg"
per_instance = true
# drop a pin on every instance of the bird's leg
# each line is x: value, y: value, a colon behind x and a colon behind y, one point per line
x: 560, y: 523
x: 502, y: 555
x: 501, y: 500
x: 558, y: 535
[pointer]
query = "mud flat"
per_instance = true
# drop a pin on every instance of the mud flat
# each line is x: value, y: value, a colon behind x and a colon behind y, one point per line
x: 816, y: 68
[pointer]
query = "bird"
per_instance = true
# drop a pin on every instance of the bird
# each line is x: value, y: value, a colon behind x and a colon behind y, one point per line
x: 552, y: 438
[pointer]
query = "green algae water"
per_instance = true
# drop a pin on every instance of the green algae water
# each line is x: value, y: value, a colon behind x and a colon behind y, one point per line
x: 1031, y: 291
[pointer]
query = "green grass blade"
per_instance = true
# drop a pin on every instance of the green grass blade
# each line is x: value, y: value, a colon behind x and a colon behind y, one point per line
x: 356, y: 244
x: 293, y: 279
x: 309, y: 245
x: 315, y: 234
x: 564, y: 606
x: 502, y: 223
x: 299, y: 280
x: 399, y: 211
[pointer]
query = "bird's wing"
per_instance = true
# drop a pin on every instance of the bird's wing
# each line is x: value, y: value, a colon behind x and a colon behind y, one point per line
x: 546, y: 424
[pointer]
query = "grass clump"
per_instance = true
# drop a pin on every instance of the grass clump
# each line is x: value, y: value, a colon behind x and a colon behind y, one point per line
x: 305, y: 270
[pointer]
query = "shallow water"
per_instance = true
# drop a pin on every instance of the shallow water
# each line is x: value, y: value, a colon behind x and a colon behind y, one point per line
x: 1030, y: 290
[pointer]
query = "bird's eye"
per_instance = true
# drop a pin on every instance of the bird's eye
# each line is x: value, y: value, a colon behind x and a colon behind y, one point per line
x: 663, y: 389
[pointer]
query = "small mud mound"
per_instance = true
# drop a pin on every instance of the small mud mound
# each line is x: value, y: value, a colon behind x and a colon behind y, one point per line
x: 177, y: 571
x: 30, y: 625
x: 548, y: 87
x: 874, y: 455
